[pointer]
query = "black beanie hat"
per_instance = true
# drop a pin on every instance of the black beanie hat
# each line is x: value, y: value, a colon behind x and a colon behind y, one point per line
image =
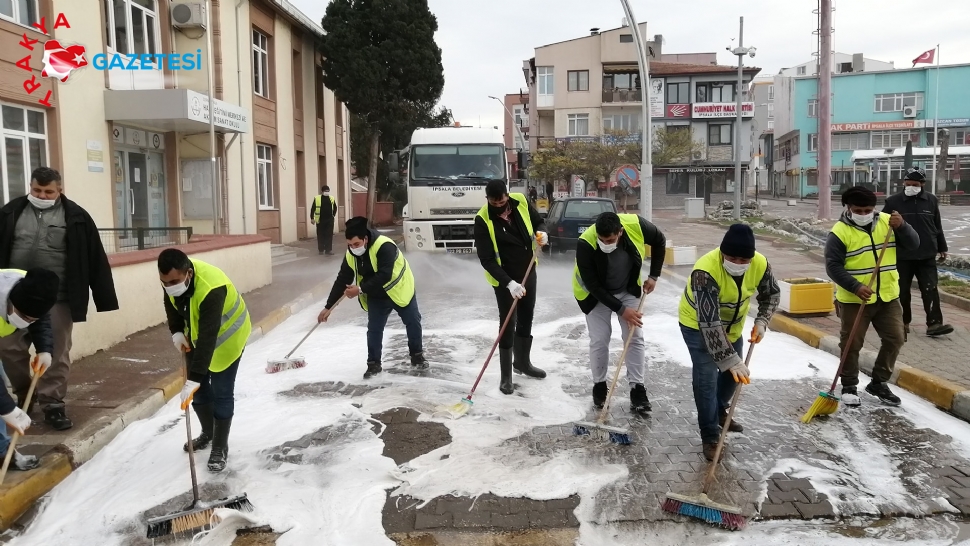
x: 916, y: 174
x: 738, y: 242
x: 36, y: 293
x: 859, y: 196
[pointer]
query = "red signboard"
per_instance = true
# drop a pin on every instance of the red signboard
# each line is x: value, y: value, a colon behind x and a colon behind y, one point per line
x: 678, y: 110
x: 873, y: 126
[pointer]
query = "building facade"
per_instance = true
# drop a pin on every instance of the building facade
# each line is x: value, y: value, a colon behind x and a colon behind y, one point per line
x: 589, y: 87
x: 842, y: 63
x: 874, y: 115
x: 133, y: 100
x: 516, y: 128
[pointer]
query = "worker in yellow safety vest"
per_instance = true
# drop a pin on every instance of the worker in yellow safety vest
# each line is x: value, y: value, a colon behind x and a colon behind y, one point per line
x: 376, y: 272
x: 323, y: 210
x: 210, y: 324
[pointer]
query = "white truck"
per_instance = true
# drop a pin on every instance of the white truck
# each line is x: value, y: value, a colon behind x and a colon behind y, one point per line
x: 446, y: 170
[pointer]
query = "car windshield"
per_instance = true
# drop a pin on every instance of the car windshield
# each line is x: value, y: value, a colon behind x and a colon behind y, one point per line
x: 587, y: 209
x: 436, y: 164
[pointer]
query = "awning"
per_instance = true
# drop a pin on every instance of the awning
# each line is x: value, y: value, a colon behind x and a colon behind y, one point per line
x: 181, y: 110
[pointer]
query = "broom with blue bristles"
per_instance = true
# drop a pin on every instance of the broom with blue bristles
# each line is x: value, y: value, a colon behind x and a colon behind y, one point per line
x: 701, y: 506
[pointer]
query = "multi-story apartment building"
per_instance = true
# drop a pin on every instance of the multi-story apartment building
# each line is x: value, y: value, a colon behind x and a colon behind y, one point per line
x: 516, y: 128
x: 874, y: 115
x: 842, y: 63
x: 128, y: 124
x: 590, y: 86
x: 762, y: 94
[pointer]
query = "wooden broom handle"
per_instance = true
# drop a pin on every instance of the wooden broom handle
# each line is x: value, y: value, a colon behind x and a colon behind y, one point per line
x: 619, y: 364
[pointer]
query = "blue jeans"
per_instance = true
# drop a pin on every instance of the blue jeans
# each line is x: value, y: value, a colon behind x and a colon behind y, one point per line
x: 713, y: 388
x: 219, y: 389
x: 378, y: 309
x: 4, y: 435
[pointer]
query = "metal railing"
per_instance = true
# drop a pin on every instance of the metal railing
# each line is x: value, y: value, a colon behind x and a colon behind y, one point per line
x: 622, y: 95
x: 116, y: 240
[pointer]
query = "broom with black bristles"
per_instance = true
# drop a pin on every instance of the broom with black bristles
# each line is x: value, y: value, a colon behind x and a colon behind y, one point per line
x: 197, y: 515
x: 701, y: 506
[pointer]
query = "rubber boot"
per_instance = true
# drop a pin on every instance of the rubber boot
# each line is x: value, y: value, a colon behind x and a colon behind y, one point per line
x: 523, y: 362
x: 219, y: 455
x: 505, y: 363
x: 202, y: 441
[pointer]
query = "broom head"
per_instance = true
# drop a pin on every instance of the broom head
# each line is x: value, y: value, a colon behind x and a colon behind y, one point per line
x: 276, y: 366
x: 618, y: 435
x: 702, y: 507
x: 826, y: 403
x: 458, y: 410
x: 195, y: 517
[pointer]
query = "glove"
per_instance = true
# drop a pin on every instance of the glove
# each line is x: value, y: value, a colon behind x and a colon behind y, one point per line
x: 542, y: 238
x: 18, y: 420
x: 740, y: 373
x: 181, y: 344
x: 39, y: 364
x: 516, y: 289
x: 188, y: 391
x: 758, y: 332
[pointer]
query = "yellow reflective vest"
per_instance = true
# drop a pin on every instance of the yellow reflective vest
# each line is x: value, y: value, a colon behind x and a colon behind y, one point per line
x: 401, y: 286
x: 631, y: 226
x: 522, y: 206
x: 733, y: 303
x: 8, y: 278
x: 318, y: 206
x: 861, y: 252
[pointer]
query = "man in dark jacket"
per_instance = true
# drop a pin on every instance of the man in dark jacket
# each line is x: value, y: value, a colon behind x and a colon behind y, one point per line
x: 375, y: 271
x: 607, y: 280
x: 922, y: 211
x: 507, y: 229
x: 322, y: 214
x: 46, y: 229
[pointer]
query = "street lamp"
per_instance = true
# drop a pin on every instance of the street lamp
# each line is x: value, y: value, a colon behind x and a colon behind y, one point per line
x: 740, y: 51
x: 646, y: 136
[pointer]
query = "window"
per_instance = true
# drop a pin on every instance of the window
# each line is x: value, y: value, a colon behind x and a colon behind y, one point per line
x: 578, y: 125
x: 718, y: 134
x: 882, y: 140
x: 771, y: 92
x: 546, y: 82
x: 715, y: 92
x: 621, y: 81
x: 813, y: 108
x: 19, y: 11
x: 771, y: 125
x: 678, y: 93
x: 771, y: 110
x: 894, y: 102
x: 578, y: 80
x: 260, y: 64
x: 844, y: 68
x: 850, y: 141
x: 678, y: 183
x: 626, y: 38
x: 813, y: 142
x: 802, y: 70
x: 24, y: 147
x: 131, y: 25
x: 264, y: 175
x: 629, y: 123
x: 958, y: 136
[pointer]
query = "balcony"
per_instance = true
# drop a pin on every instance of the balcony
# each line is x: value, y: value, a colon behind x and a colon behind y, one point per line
x: 622, y: 95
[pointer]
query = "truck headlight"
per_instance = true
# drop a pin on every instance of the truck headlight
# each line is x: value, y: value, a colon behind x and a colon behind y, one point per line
x: 417, y: 230
x: 420, y: 245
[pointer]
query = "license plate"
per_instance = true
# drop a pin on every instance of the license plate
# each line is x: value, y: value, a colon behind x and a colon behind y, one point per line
x: 461, y: 250
x: 582, y: 229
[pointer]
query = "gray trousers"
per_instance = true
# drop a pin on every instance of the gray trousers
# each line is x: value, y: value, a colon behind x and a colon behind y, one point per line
x: 52, y: 386
x: 600, y: 326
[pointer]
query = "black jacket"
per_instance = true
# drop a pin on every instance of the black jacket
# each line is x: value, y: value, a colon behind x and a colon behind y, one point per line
x: 592, y: 264
x: 210, y: 321
x: 516, y: 250
x: 922, y: 211
x: 372, y: 283
x: 87, y: 262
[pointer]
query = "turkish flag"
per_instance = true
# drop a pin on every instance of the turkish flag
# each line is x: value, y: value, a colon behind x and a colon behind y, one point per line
x: 926, y: 58
x: 60, y: 61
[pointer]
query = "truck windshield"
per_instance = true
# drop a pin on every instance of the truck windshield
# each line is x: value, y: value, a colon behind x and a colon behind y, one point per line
x: 446, y: 164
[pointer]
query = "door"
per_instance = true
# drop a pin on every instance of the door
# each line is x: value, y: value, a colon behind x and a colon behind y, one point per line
x: 702, y: 188
x: 156, y: 206
x: 301, y: 202
x: 138, y: 188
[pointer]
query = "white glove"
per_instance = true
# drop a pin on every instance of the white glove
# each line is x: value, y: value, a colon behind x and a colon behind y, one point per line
x: 188, y: 391
x: 40, y: 363
x: 516, y: 289
x: 18, y: 420
x: 542, y: 238
x: 740, y: 373
x: 181, y: 344
x: 758, y: 332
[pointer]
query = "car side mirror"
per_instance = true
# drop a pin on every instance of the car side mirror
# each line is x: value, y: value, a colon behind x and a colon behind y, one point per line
x: 393, y: 167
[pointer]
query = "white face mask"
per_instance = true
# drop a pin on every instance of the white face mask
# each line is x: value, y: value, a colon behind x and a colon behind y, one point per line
x: 862, y: 219
x: 910, y: 191
x: 39, y: 203
x: 359, y: 251
x: 177, y: 290
x: 326, y: 193
x: 17, y: 321
x: 605, y: 247
x: 735, y: 270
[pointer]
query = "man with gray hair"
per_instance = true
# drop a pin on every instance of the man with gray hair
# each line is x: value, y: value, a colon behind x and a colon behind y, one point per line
x: 45, y: 229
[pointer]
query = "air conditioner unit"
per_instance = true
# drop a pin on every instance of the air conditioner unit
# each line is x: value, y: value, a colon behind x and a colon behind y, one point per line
x: 909, y: 111
x: 188, y: 15
x: 698, y: 155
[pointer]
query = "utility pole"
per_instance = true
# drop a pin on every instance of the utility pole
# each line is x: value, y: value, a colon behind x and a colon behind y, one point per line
x: 740, y: 51
x: 646, y: 136
x: 212, y: 120
x: 825, y: 110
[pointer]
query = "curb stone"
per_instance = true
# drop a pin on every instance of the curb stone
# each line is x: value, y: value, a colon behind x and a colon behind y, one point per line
x: 944, y: 394
x: 87, y: 441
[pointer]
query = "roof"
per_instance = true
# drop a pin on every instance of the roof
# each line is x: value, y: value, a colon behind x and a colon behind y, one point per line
x: 642, y: 23
x: 457, y: 135
x: 676, y: 69
x: 298, y: 16
x: 901, y: 152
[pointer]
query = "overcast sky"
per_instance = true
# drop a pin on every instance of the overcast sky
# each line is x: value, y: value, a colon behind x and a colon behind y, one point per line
x: 483, y: 42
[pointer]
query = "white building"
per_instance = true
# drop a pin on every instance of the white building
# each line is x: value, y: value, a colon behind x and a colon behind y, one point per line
x: 841, y: 63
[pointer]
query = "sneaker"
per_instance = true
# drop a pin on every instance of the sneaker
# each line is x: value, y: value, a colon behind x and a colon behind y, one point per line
x: 373, y: 368
x: 735, y: 425
x: 639, y: 403
x: 850, y: 397
x: 939, y: 330
x: 419, y: 362
x: 881, y: 391
x: 599, y: 394
x: 24, y: 462
x: 57, y: 419
x: 709, y: 450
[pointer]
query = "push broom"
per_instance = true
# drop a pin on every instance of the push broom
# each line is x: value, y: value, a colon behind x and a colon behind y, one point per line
x: 16, y: 435
x: 701, y: 506
x: 618, y: 435
x: 826, y: 403
x: 288, y: 363
x: 465, y: 404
